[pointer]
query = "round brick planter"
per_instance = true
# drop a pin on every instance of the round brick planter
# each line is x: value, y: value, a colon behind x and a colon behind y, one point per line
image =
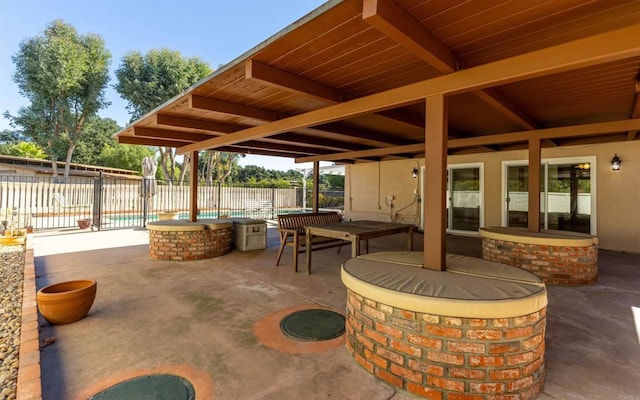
x: 558, y: 258
x: 444, y: 347
x: 175, y: 240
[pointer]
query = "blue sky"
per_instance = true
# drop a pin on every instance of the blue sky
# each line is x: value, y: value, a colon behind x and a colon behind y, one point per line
x: 217, y: 31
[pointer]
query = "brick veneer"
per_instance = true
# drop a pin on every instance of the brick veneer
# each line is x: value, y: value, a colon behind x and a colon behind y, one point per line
x: 448, y: 358
x: 189, y: 245
x: 555, y: 265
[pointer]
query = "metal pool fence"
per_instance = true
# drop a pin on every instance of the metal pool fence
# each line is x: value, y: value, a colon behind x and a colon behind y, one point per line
x: 125, y: 203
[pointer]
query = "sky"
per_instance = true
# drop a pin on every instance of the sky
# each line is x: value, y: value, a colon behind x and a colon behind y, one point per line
x: 217, y: 31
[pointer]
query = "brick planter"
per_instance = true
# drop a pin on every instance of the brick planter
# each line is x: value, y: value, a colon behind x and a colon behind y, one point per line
x: 447, y: 357
x: 558, y: 259
x: 185, y: 241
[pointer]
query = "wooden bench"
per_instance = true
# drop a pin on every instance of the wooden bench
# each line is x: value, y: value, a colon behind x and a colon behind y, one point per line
x: 291, y: 228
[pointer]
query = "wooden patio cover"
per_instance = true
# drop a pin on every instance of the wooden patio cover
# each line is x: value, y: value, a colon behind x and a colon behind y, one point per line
x: 370, y: 80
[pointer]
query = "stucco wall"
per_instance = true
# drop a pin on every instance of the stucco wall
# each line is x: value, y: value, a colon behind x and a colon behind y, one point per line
x: 617, y: 192
x: 367, y: 186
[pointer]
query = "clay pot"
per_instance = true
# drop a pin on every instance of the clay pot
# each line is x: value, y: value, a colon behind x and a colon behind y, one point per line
x: 84, y: 223
x: 66, y: 302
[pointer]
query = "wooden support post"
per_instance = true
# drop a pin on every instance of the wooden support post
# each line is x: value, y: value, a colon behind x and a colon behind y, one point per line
x: 193, y: 185
x: 435, y: 181
x: 534, y: 185
x: 316, y: 186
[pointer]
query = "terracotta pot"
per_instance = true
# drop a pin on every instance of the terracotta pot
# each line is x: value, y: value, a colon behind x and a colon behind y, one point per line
x: 66, y: 302
x: 84, y: 223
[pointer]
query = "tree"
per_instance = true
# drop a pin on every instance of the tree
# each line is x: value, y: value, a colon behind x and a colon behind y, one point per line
x: 23, y: 149
x: 219, y: 165
x: 124, y: 156
x: 8, y: 136
x: 98, y: 134
x: 146, y: 81
x: 64, y: 75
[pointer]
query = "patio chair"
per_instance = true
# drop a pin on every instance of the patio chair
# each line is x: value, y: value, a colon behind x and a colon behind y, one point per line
x: 62, y: 202
x: 251, y: 205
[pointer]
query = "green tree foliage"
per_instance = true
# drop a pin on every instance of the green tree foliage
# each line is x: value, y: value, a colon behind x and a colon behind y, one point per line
x: 255, y: 176
x: 218, y: 166
x: 9, y: 136
x: 147, y: 81
x: 124, y: 156
x: 23, y: 149
x: 333, y: 181
x: 63, y: 74
x: 98, y: 134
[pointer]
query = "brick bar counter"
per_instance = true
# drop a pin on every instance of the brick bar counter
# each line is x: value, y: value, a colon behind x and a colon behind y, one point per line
x: 558, y: 258
x: 179, y: 240
x: 473, y: 332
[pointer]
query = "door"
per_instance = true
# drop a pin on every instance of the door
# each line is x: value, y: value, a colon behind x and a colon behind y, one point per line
x: 565, y: 195
x: 464, y: 195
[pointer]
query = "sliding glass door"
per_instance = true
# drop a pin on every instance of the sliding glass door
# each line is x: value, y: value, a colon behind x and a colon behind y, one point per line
x: 566, y: 195
x: 464, y: 198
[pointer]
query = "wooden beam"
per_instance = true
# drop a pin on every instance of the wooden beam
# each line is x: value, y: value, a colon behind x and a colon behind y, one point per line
x: 193, y: 187
x: 435, y: 166
x: 631, y: 135
x: 209, y: 104
x: 170, y: 134
x: 215, y: 105
x: 145, y: 141
x: 392, y: 20
x: 383, y: 151
x: 599, y: 128
x: 500, y: 102
x: 316, y: 188
x: 610, y: 46
x: 486, y: 142
x: 284, y: 148
x: 183, y: 122
x: 291, y: 82
x: 397, y: 24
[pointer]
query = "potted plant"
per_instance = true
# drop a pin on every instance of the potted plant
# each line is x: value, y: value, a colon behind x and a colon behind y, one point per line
x: 66, y: 302
x: 84, y: 223
x: 13, y: 234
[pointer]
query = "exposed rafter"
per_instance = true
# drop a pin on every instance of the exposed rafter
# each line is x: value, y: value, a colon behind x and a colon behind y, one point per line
x: 209, y: 104
x: 209, y: 126
x: 601, y: 128
x: 397, y: 24
x: 486, y: 142
x: 225, y: 107
x: 290, y: 82
x: 147, y: 141
x: 383, y: 151
x: 601, y: 48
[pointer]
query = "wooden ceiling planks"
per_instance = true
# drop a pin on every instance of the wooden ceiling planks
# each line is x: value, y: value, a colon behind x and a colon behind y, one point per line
x: 338, y: 49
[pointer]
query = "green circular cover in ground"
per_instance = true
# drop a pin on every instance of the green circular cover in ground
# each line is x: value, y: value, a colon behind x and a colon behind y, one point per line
x: 313, y: 325
x: 149, y: 387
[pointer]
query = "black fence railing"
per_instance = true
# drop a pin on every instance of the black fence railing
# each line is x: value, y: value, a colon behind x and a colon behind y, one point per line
x: 124, y: 203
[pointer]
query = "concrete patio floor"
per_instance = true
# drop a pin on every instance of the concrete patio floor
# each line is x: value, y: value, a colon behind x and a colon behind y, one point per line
x: 197, y: 317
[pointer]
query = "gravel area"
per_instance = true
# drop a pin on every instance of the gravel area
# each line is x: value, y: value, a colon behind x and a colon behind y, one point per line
x: 11, y: 279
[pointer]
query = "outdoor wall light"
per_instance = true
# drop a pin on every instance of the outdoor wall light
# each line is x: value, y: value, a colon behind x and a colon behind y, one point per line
x: 414, y: 173
x: 615, y: 162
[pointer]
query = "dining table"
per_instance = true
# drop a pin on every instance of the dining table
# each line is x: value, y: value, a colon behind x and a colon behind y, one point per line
x: 355, y: 232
